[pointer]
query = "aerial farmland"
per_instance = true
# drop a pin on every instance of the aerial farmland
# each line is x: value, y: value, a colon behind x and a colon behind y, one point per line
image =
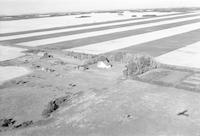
x: 101, y: 73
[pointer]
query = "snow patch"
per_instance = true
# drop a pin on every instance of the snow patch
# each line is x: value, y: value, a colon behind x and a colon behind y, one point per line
x: 11, y: 72
x: 188, y: 56
x: 7, y: 53
x: 102, y: 64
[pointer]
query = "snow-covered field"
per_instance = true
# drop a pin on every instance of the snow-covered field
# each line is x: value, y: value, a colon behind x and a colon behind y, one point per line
x: 83, y: 38
x: 188, y: 56
x: 10, y: 72
x: 49, y: 22
x: 7, y: 53
x: 97, y: 33
x: 82, y: 28
x: 112, y: 45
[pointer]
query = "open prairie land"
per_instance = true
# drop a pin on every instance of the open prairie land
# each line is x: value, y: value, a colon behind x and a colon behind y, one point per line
x: 52, y: 84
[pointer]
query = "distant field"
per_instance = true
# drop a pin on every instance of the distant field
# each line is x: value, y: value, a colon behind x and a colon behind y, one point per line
x: 155, y: 32
x: 72, y: 20
x: 30, y: 16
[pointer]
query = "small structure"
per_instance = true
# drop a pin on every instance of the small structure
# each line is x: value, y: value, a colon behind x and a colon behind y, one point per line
x: 104, y: 63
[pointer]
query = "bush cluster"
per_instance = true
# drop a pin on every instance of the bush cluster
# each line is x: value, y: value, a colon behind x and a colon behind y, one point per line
x: 55, y: 104
x: 139, y: 64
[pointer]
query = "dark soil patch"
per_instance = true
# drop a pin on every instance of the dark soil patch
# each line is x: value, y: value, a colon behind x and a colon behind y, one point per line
x: 54, y: 105
x: 21, y: 82
x: 34, y: 51
x: 83, y: 16
x: 9, y: 124
x: 150, y: 15
x: 24, y: 124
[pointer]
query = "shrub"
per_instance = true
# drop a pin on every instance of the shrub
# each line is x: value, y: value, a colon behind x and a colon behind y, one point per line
x: 7, y: 122
x: 118, y: 57
x: 90, y: 61
x: 127, y: 57
x: 24, y: 124
x: 34, y: 51
x: 80, y: 56
x: 55, y: 104
x: 139, y: 64
x: 121, y: 57
x: 94, y: 60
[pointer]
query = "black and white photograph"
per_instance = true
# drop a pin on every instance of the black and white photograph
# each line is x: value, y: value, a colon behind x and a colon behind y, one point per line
x: 99, y: 68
